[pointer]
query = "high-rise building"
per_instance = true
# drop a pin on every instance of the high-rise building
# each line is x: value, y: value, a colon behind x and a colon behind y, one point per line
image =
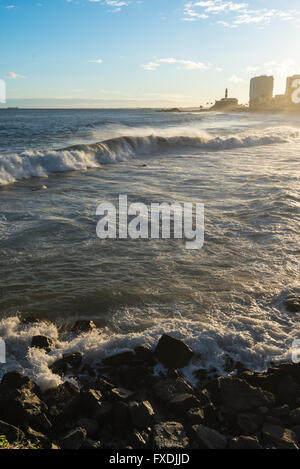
x: 261, y: 91
x: 292, y: 92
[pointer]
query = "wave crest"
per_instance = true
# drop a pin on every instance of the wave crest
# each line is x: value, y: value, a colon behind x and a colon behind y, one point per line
x: 124, y: 148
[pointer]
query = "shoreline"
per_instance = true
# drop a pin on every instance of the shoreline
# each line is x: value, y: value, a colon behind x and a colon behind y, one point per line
x: 138, y: 399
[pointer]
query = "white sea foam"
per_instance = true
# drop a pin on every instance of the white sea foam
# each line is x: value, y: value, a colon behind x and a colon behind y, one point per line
x: 253, y: 335
x: 138, y: 145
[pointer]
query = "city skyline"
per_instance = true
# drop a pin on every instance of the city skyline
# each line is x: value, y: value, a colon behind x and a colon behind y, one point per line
x: 81, y: 52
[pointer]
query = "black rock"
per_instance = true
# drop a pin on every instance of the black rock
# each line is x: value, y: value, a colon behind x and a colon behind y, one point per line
x: 83, y: 326
x: 141, y: 414
x: 124, y: 358
x: 73, y: 439
x: 249, y: 423
x: 244, y: 442
x: 208, y: 438
x: 11, y: 433
x: 42, y: 342
x: 240, y: 396
x: 70, y: 363
x: 173, y: 353
x: 167, y: 435
x: 145, y: 354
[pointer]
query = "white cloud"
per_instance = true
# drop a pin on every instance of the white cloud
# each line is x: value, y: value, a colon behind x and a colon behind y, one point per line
x: 96, y: 61
x: 235, y: 13
x: 235, y: 79
x: 13, y: 75
x: 116, y: 5
x: 185, y: 64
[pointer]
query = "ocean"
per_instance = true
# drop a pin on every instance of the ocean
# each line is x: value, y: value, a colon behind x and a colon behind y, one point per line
x: 224, y: 300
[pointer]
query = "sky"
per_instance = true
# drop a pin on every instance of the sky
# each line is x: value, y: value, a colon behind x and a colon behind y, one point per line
x: 121, y: 53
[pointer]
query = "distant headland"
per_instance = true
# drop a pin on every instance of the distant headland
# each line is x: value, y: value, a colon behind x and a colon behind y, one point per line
x: 261, y: 98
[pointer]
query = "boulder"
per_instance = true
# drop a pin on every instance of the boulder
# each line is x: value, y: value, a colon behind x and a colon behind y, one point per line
x: 195, y: 416
x: 42, y: 342
x: 70, y: 363
x: 166, y: 389
x: 91, y: 402
x: 167, y: 435
x: 73, y: 439
x: 173, y: 353
x: 240, y: 396
x: 120, y: 415
x: 21, y: 406
x: 280, y: 412
x: 141, y: 414
x: 145, y: 355
x: 124, y: 358
x: 244, y: 442
x: 61, y: 397
x: 293, y: 418
x: 282, y: 438
x: 11, y: 433
x: 121, y: 394
x: 207, y: 438
x: 83, y: 326
x: 181, y: 403
x: 13, y: 381
x: 248, y: 423
x: 89, y: 425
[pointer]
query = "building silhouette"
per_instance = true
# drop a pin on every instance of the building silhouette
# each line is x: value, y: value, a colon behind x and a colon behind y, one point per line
x: 261, y: 91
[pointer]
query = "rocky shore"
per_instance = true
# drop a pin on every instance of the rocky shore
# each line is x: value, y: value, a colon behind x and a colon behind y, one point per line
x: 122, y: 403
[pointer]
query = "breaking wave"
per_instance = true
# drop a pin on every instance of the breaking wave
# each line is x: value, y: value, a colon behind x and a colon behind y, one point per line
x: 125, y: 148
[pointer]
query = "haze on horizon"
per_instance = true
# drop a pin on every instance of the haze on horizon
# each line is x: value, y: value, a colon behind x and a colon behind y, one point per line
x: 130, y: 53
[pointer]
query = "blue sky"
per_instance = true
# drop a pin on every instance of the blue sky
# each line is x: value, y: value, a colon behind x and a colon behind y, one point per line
x: 145, y: 52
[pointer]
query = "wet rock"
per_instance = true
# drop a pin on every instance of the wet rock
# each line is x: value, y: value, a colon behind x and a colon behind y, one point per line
x: 61, y: 397
x: 241, y: 396
x: 170, y: 435
x: 12, y: 434
x: 89, y: 425
x: 91, y: 444
x: 280, y: 412
x: 195, y: 416
x: 207, y: 438
x: 293, y: 418
x: 19, y: 405
x: 282, y: 438
x: 249, y: 423
x: 37, y: 438
x: 181, y: 403
x: 42, y: 342
x: 70, y: 363
x: 124, y: 358
x: 166, y: 389
x: 120, y: 415
x: 73, y: 440
x: 293, y: 302
x: 135, y: 377
x: 244, y: 442
x: 145, y: 355
x: 91, y: 402
x: 141, y: 414
x: 121, y: 394
x: 173, y: 353
x: 15, y: 381
x: 83, y: 326
x: 104, y: 413
x: 138, y: 440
